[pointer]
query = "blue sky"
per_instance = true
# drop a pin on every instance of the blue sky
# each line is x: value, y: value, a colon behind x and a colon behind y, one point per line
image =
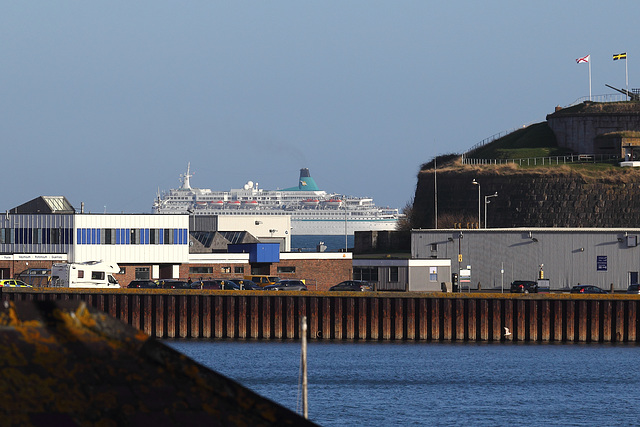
x: 107, y: 102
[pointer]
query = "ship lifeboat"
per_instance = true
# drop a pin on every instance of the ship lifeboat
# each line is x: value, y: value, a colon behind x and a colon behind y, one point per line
x: 201, y: 204
x: 250, y: 204
x: 310, y: 203
x: 333, y: 203
x: 234, y: 204
x: 217, y: 204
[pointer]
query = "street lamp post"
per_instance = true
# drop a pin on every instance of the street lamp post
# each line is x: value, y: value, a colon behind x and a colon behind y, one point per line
x: 474, y: 182
x: 346, y: 244
x: 486, y: 202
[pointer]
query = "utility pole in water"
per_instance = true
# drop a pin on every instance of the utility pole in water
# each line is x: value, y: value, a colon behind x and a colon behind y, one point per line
x: 303, y: 361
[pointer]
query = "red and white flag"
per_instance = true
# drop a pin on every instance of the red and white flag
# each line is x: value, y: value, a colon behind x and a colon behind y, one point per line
x: 584, y: 59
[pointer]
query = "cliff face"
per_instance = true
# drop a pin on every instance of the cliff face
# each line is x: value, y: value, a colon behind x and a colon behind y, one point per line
x: 554, y: 197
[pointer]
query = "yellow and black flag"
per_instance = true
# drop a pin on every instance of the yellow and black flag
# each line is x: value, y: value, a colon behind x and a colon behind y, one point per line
x: 620, y: 56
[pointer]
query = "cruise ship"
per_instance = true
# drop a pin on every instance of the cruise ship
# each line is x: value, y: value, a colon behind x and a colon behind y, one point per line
x: 313, y: 211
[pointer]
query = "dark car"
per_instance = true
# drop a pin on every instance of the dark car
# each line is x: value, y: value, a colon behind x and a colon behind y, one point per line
x: 248, y: 285
x: 287, y: 285
x: 142, y: 284
x: 524, y: 287
x: 633, y: 289
x: 216, y: 284
x: 352, y: 285
x: 587, y: 289
x: 173, y: 284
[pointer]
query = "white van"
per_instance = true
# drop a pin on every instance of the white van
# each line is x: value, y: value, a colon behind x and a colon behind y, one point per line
x: 91, y: 274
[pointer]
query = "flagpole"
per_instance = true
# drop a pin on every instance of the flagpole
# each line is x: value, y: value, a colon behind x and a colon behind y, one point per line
x: 435, y: 185
x: 626, y: 76
x: 589, y: 78
x: 586, y: 59
x: 621, y: 56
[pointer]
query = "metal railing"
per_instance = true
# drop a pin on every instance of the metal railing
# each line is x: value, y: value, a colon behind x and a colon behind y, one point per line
x: 613, y: 97
x: 493, y: 138
x: 594, y: 98
x: 542, y: 161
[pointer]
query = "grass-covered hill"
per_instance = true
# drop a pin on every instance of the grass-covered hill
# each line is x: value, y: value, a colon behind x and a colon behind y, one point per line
x: 536, y: 140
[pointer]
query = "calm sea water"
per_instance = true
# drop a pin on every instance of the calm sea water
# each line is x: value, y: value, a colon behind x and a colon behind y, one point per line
x: 309, y: 243
x: 381, y: 384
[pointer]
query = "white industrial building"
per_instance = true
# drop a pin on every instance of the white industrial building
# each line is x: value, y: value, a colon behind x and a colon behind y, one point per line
x: 48, y: 229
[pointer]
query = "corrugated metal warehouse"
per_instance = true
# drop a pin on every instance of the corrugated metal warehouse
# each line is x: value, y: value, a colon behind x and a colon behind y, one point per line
x: 566, y: 256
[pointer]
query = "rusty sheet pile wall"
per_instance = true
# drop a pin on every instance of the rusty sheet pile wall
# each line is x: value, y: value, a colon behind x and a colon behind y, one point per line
x: 362, y: 316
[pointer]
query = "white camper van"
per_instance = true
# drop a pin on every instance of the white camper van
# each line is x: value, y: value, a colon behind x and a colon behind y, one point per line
x: 91, y: 274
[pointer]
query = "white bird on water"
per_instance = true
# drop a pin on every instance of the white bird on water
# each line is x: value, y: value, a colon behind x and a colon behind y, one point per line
x: 507, y: 332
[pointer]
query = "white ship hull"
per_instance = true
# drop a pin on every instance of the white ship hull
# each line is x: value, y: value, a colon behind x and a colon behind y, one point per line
x: 323, y: 227
x: 312, y: 211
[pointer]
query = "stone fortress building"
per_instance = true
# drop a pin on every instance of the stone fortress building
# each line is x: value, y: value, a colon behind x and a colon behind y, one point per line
x: 598, y: 128
x: 546, y: 197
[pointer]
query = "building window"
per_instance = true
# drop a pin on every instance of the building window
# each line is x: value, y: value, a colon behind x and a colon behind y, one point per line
x: 238, y: 270
x: 369, y: 274
x: 153, y: 236
x: 123, y: 270
x: 135, y: 236
x: 168, y: 236
x: 123, y: 236
x: 225, y: 270
x: 142, y: 273
x: 80, y: 274
x: 286, y: 269
x: 5, y: 235
x: 433, y: 274
x: 97, y: 275
x: 109, y: 236
x: 393, y: 274
x: 200, y: 270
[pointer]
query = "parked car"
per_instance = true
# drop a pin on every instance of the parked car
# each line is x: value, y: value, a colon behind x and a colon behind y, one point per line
x: 142, y: 284
x: 198, y: 284
x: 352, y: 285
x: 173, y: 284
x: 263, y: 280
x: 13, y: 283
x: 524, y: 286
x: 287, y: 285
x: 216, y: 284
x: 248, y: 285
x: 587, y: 289
x: 633, y: 289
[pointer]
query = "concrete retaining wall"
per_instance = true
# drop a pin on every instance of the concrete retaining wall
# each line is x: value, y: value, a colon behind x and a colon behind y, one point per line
x: 555, y: 198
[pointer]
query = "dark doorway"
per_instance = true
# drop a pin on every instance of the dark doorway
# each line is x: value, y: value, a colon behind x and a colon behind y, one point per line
x: 166, y: 271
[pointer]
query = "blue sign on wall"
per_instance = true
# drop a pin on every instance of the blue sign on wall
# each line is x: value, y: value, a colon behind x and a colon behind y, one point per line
x: 601, y: 263
x: 258, y: 252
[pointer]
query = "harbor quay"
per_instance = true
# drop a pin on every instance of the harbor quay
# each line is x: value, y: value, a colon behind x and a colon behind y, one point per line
x: 360, y: 316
